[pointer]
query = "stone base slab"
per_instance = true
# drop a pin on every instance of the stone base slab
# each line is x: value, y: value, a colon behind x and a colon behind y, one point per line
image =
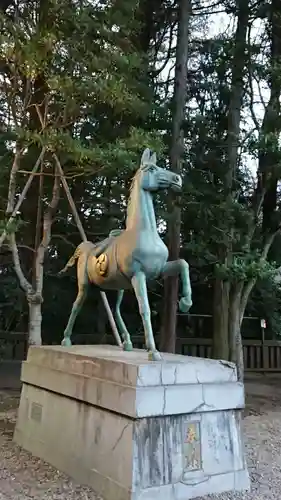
x: 132, y: 455
x: 129, y: 384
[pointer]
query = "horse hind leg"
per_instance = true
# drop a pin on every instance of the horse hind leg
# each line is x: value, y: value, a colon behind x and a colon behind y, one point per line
x: 76, y: 308
x: 127, y: 343
x: 79, y: 301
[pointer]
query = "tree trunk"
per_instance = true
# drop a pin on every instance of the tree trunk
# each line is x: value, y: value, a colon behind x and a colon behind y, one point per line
x: 35, y: 321
x: 38, y: 226
x: 169, y: 318
x: 39, y: 99
x: 34, y: 293
x: 266, y: 192
x: 48, y: 220
x: 222, y: 312
x: 238, y: 299
x: 269, y: 157
x: 234, y: 329
x: 220, y: 348
x: 237, y: 90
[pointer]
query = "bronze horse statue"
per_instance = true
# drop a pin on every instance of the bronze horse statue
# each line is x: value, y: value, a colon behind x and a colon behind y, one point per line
x: 129, y: 259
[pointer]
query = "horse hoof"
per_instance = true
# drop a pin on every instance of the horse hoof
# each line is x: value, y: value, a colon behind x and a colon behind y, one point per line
x: 127, y: 346
x: 154, y: 356
x: 66, y: 342
x: 185, y: 304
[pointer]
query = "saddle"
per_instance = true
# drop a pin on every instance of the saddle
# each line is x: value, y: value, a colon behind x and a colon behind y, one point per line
x: 101, y: 246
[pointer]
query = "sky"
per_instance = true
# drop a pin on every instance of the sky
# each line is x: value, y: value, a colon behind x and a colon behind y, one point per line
x: 220, y: 24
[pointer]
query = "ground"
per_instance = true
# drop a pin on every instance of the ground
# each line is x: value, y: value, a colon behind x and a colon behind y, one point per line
x: 24, y: 477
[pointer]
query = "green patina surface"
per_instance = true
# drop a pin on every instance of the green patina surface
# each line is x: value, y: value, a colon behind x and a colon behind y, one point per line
x: 130, y: 258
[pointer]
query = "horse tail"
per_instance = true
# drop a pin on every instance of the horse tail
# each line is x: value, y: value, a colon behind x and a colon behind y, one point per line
x: 72, y: 259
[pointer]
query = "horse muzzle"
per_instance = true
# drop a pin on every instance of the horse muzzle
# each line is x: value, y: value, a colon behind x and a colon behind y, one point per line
x: 176, y: 184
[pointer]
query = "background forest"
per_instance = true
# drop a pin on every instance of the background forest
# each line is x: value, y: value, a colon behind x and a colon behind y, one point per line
x: 86, y: 86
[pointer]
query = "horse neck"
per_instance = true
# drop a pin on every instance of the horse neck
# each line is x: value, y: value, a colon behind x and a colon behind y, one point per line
x: 140, y: 213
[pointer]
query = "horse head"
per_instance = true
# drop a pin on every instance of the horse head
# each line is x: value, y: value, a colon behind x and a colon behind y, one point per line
x: 154, y: 178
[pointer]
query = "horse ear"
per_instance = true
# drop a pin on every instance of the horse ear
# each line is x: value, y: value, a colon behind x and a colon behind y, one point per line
x: 145, y: 156
x: 153, y: 159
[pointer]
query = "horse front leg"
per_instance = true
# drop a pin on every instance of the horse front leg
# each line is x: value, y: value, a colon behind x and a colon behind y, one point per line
x: 180, y: 267
x: 80, y: 299
x: 140, y: 288
x: 127, y: 343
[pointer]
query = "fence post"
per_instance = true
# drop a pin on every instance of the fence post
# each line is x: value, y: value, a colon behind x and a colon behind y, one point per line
x: 265, y: 356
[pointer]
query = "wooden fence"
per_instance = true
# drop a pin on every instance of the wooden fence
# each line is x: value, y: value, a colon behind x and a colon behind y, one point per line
x: 13, y: 346
x: 259, y: 355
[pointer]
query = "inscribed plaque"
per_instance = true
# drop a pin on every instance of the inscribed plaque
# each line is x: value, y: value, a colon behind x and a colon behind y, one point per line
x: 36, y: 412
x: 192, y: 447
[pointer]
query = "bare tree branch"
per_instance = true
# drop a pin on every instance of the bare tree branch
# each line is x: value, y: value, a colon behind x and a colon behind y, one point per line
x: 250, y: 285
x: 170, y: 49
x: 24, y: 283
x: 22, y: 196
x: 63, y: 238
x: 251, y: 95
x: 70, y: 200
x: 46, y: 238
x: 20, y: 246
x: 12, y: 182
x: 46, y: 174
x: 257, y: 201
x: 261, y: 95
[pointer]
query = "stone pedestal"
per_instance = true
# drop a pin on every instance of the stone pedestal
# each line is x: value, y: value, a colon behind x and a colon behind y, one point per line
x: 134, y: 429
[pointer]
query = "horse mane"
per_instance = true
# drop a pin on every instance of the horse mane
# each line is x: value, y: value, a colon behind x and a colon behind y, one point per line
x: 131, y: 189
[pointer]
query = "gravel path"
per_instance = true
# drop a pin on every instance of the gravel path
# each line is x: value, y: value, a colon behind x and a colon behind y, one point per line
x: 263, y: 442
x: 24, y: 477
x: 262, y: 436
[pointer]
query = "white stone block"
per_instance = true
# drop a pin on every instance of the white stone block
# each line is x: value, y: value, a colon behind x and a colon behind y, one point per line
x: 133, y: 429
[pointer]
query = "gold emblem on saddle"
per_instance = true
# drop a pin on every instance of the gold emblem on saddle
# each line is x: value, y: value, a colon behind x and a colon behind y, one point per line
x: 102, y: 264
